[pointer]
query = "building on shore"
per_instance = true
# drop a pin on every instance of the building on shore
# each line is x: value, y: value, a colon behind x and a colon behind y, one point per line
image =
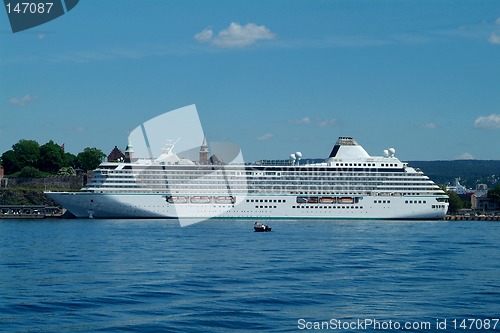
x: 481, y: 202
x: 116, y: 155
x: 204, y: 153
x: 129, y: 152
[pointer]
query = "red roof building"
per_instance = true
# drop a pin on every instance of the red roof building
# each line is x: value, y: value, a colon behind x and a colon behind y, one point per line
x: 116, y: 155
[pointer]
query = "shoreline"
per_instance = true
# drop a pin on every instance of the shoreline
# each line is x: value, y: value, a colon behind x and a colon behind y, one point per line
x: 30, y: 212
x: 471, y: 218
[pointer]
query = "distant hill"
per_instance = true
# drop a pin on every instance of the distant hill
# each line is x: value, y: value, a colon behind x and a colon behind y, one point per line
x: 470, y: 172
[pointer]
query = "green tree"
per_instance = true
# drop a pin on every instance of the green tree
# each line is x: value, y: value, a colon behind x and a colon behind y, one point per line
x: 69, y: 160
x: 494, y: 193
x: 67, y: 171
x: 24, y: 153
x: 51, y: 157
x: 89, y: 158
x: 30, y: 172
x: 27, y: 153
x: 10, y: 162
x: 455, y: 202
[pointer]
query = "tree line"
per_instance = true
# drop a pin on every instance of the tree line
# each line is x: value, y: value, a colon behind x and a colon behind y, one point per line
x: 28, y: 159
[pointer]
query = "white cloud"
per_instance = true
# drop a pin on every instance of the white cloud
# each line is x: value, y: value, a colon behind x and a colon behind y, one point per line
x: 465, y: 156
x: 22, y: 101
x: 317, y: 121
x: 490, y: 122
x: 80, y: 129
x: 303, y: 121
x: 235, y: 36
x: 326, y: 122
x: 429, y: 125
x: 264, y: 137
x: 494, y: 38
x: 204, y: 36
x: 41, y: 36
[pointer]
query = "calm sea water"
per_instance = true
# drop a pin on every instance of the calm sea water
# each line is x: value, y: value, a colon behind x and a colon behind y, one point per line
x: 217, y: 276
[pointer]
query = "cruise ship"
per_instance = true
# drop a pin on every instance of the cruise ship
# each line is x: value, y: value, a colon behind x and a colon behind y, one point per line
x: 348, y: 184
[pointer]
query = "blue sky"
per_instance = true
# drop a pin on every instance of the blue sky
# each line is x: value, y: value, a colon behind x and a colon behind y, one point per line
x: 272, y: 76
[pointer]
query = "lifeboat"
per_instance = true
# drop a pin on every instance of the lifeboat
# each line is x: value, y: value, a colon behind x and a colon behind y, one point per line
x: 327, y: 200
x: 200, y: 199
x: 177, y: 199
x: 225, y: 199
x: 346, y: 200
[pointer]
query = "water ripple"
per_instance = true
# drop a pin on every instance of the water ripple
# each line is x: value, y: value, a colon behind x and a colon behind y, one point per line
x: 153, y: 276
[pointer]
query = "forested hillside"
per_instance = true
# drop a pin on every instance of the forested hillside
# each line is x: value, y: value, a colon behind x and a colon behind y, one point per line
x: 470, y: 172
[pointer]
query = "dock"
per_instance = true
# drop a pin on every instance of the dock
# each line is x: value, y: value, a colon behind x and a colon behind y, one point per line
x: 472, y: 218
x: 29, y: 212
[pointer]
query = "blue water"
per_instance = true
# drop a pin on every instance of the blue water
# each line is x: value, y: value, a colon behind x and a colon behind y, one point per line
x: 217, y: 276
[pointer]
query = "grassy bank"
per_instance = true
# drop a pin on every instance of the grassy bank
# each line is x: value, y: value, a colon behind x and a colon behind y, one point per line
x: 24, y: 196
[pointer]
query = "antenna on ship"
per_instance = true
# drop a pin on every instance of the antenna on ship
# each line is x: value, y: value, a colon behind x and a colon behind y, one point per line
x: 170, y: 145
x: 299, y: 156
x: 295, y: 158
x: 391, y: 152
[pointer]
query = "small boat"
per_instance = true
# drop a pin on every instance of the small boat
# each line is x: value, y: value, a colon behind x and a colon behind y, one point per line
x: 259, y: 227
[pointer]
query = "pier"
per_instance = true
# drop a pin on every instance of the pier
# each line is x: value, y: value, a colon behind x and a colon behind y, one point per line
x: 472, y: 218
x: 29, y: 212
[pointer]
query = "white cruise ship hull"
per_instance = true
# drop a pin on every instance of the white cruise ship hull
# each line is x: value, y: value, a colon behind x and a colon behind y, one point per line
x: 112, y: 205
